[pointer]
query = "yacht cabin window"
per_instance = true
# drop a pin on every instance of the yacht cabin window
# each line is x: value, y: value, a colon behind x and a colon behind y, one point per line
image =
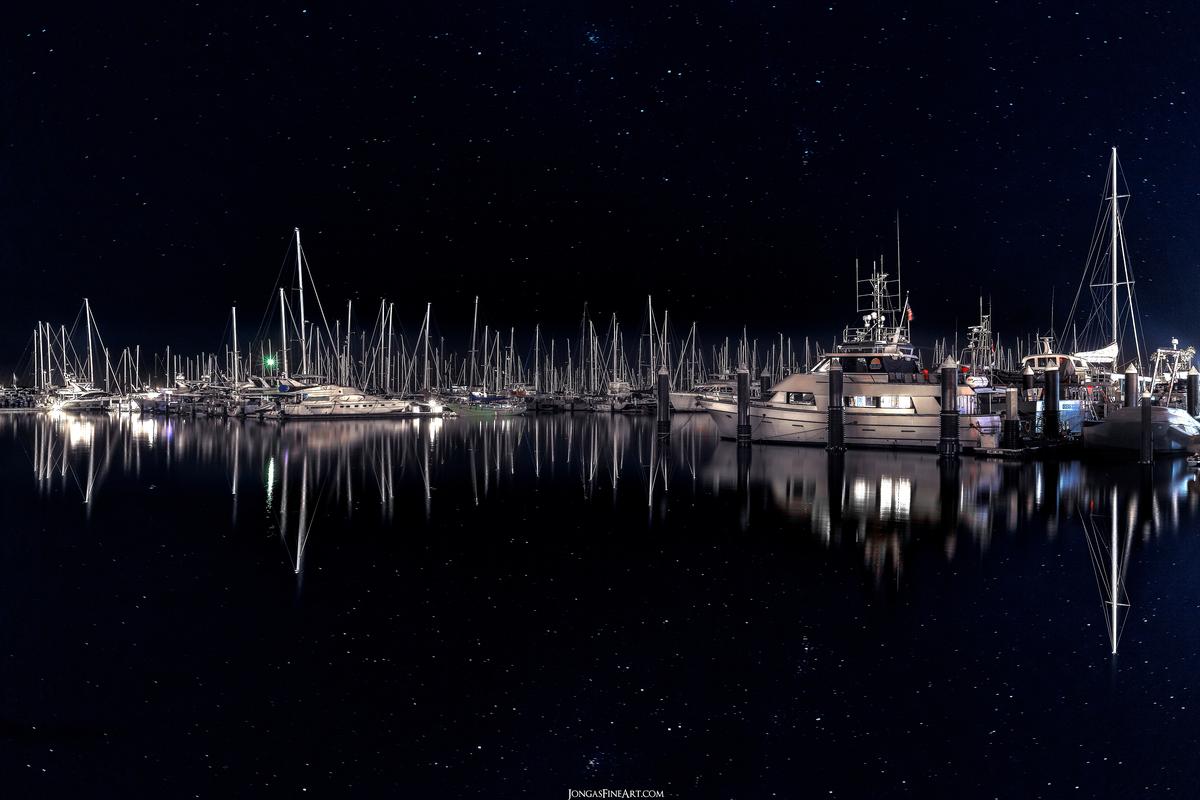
x: 802, y: 398
x: 892, y: 401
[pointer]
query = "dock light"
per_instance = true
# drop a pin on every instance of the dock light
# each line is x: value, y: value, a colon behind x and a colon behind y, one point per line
x: 269, y: 362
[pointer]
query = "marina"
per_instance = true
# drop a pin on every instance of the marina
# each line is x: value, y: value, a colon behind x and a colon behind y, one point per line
x: 495, y: 400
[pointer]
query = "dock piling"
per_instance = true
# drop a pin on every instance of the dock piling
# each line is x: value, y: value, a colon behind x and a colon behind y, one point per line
x: 948, y: 444
x: 836, y: 441
x: 1193, y: 391
x: 743, y: 407
x: 664, y: 403
x: 1131, y: 382
x: 1050, y: 396
x: 764, y: 384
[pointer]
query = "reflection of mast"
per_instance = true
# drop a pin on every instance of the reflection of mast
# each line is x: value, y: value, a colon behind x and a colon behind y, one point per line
x: 302, y: 536
x: 1110, y: 569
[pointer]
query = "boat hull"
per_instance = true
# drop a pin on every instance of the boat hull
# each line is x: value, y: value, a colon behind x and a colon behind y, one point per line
x: 772, y: 423
x: 1173, y: 431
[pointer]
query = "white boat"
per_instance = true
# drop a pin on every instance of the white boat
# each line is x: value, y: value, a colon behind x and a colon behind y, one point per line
x: 684, y: 402
x: 1173, y: 431
x: 889, y: 400
x: 333, y: 401
x: 80, y: 396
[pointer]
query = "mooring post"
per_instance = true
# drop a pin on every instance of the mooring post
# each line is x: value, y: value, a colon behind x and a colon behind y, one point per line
x: 1050, y: 395
x: 764, y: 384
x: 664, y: 403
x: 1147, y: 431
x: 1027, y: 380
x: 1131, y: 382
x: 948, y: 444
x: 1011, y: 429
x: 1193, y: 391
x: 743, y: 407
x: 836, y: 440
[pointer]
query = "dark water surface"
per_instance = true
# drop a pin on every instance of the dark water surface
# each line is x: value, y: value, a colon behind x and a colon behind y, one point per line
x: 516, y: 608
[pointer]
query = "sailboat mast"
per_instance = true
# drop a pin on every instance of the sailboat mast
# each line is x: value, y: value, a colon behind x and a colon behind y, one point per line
x: 235, y: 346
x: 283, y: 342
x: 88, y: 321
x: 474, y: 322
x: 428, y: 306
x: 303, y: 324
x: 346, y: 363
x: 1115, y: 235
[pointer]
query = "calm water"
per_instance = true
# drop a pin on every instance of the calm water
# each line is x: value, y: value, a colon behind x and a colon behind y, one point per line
x: 520, y: 607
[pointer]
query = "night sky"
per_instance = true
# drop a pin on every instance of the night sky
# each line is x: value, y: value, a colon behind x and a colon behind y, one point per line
x: 732, y: 159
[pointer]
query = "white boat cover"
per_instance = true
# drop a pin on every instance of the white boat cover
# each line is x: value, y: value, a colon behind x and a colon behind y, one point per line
x: 1105, y: 355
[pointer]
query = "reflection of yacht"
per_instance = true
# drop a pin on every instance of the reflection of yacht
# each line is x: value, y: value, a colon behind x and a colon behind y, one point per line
x: 339, y: 401
x: 890, y: 401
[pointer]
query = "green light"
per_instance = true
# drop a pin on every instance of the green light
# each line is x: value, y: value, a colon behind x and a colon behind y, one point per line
x: 269, y: 362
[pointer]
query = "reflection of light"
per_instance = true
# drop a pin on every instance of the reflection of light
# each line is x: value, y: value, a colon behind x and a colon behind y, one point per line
x: 858, y: 493
x: 903, y: 498
x: 81, y: 433
x: 270, y: 481
x: 145, y: 428
x: 435, y: 425
x: 886, y: 495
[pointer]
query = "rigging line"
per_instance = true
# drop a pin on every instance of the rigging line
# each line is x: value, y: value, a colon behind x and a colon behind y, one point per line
x: 268, y: 316
x: 313, y: 283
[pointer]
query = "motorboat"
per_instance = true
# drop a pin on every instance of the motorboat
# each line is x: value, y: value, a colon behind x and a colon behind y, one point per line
x: 890, y: 401
x: 1173, y: 431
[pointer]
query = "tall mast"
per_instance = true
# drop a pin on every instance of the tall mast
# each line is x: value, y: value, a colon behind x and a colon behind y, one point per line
x: 537, y: 329
x: 474, y: 323
x: 88, y: 320
x: 235, y: 346
x: 283, y: 342
x: 303, y: 323
x: 1114, y: 249
x: 650, y: 316
x: 346, y: 363
x: 428, y: 306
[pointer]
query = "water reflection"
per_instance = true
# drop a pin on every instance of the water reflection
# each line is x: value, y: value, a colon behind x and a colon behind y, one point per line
x: 308, y: 478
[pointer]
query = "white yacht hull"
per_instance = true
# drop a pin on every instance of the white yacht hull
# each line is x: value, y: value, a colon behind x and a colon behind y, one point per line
x: 685, y: 402
x: 350, y: 411
x: 1172, y: 431
x: 777, y: 423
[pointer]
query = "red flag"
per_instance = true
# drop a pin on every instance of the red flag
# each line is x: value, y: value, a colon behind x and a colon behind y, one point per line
x: 910, y: 315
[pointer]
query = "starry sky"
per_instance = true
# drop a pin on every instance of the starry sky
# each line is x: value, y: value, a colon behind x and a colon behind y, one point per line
x: 732, y: 159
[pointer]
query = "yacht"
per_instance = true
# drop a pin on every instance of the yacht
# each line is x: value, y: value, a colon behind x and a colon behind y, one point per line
x: 890, y: 401
x: 1173, y: 431
x: 726, y: 389
x: 333, y: 401
x: 80, y: 396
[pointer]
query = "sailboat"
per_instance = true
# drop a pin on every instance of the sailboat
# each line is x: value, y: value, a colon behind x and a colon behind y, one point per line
x: 1174, y: 431
x: 1109, y: 279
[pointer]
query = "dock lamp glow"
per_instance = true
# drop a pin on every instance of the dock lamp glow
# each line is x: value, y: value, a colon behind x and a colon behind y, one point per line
x: 269, y: 362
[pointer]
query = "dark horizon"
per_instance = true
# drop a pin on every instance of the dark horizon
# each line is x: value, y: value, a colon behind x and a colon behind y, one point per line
x: 730, y: 162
